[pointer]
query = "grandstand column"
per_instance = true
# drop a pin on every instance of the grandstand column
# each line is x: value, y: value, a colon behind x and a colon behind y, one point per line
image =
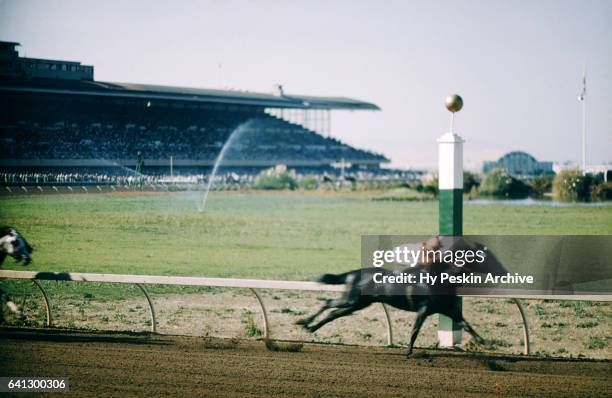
x: 450, y: 185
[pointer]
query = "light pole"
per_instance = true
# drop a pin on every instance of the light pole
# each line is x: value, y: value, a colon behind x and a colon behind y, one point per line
x: 582, y: 98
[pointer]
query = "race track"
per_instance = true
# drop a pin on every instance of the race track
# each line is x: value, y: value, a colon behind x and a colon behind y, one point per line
x: 148, y: 366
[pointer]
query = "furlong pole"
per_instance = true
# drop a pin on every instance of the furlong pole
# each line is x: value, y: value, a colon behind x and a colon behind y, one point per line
x: 450, y: 186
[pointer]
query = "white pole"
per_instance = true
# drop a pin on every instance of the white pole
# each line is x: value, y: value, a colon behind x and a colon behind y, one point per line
x: 450, y: 199
x: 584, y: 136
x: 582, y: 99
x: 171, y: 168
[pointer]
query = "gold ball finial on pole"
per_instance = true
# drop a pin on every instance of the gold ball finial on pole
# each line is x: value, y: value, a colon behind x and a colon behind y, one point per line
x: 453, y: 103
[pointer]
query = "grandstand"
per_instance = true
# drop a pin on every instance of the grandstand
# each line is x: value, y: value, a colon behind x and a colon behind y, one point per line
x: 55, y: 116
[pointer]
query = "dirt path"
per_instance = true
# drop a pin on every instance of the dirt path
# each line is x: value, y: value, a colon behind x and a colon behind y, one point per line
x: 132, y: 365
x: 558, y: 329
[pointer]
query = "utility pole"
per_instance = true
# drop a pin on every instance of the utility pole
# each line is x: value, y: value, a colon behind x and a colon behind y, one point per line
x: 582, y: 98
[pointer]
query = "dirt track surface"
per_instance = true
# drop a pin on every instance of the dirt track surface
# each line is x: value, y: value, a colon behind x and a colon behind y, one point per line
x: 148, y: 366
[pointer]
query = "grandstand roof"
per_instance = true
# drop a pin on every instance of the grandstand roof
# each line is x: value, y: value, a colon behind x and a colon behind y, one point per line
x: 152, y: 92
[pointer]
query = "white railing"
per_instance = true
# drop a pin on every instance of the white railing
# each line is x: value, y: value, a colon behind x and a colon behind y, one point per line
x: 253, y: 285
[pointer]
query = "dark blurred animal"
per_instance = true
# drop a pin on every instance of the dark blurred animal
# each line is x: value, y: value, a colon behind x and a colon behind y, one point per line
x: 327, y: 179
x: 423, y: 298
x: 12, y: 244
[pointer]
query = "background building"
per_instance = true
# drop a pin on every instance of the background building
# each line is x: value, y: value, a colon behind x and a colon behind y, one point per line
x: 520, y: 164
x: 11, y: 64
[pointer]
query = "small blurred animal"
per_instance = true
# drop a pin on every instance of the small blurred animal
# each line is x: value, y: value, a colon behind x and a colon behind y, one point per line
x: 15, y: 245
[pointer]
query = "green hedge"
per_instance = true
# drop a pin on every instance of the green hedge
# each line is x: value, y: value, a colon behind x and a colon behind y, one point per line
x: 470, y: 181
x: 571, y: 186
x: 430, y: 186
x: 275, y: 181
x: 309, y: 182
x: 540, y: 185
x: 498, y: 183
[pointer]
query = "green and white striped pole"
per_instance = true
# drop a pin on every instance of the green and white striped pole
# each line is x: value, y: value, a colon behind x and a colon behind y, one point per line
x: 450, y: 186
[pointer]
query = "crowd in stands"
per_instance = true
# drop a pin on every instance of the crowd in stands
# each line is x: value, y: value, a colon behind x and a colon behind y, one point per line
x: 117, y: 131
x: 258, y: 137
x: 267, y: 137
x: 127, y: 177
x: 61, y: 178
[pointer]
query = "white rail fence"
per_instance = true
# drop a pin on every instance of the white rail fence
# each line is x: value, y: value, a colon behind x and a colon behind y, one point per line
x: 253, y: 285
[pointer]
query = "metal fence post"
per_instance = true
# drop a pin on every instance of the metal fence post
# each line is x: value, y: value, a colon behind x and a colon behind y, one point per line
x: 264, y: 313
x: 46, y: 300
x: 151, y: 307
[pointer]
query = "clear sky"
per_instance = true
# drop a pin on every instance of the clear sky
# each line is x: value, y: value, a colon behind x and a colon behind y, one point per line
x: 517, y: 64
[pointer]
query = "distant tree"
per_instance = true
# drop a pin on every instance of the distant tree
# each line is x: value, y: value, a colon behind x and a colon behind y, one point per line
x: 309, y: 182
x: 571, y: 186
x: 275, y: 181
x: 602, y: 191
x: 431, y: 186
x: 540, y: 185
x: 470, y: 181
x: 498, y: 183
